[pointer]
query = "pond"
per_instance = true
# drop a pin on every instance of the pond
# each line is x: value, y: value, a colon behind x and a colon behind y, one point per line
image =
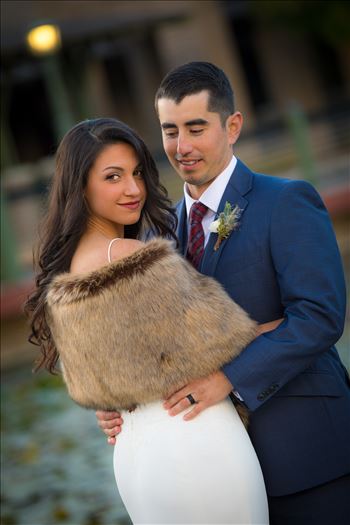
x: 56, y: 465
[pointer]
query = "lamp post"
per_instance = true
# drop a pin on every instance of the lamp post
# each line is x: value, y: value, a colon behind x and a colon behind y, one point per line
x: 45, y: 41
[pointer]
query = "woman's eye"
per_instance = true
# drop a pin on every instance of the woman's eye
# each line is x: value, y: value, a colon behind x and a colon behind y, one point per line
x: 113, y: 177
x: 138, y: 173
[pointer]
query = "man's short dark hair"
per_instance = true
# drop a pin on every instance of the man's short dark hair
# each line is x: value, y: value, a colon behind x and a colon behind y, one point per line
x: 194, y: 77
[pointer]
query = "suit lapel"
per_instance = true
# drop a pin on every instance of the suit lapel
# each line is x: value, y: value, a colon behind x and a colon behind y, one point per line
x: 239, y: 185
x: 181, y: 230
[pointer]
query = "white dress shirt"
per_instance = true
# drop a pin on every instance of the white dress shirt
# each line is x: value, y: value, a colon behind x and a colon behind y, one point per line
x: 211, y: 197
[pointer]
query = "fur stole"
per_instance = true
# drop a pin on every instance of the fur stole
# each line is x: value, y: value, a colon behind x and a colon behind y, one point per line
x: 140, y: 328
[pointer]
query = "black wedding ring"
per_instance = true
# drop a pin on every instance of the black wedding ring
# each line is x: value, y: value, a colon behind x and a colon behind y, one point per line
x: 191, y: 399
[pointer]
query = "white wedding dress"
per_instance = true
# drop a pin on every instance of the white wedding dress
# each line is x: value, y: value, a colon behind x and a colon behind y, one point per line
x: 203, y: 471
x: 175, y: 472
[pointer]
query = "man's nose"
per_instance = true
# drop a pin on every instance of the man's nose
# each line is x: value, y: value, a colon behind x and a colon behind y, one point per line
x: 184, y: 146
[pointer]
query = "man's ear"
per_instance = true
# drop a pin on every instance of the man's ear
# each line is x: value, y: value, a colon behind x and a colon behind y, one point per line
x: 234, y: 125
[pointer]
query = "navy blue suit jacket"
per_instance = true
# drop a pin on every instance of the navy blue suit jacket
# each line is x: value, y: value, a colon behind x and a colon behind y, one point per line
x: 283, y: 261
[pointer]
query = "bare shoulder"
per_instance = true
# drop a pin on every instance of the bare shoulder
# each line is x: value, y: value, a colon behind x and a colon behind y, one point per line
x: 91, y: 256
x: 124, y: 247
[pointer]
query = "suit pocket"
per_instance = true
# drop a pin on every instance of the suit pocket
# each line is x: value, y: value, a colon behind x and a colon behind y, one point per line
x: 310, y: 384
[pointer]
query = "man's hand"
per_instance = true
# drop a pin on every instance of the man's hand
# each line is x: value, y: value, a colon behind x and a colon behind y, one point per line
x: 206, y: 392
x: 268, y: 327
x: 110, y: 423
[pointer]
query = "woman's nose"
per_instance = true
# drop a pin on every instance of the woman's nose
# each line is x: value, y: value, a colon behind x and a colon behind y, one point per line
x: 131, y: 186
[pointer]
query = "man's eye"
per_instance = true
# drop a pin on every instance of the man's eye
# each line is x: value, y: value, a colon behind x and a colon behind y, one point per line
x: 196, y: 131
x: 171, y: 134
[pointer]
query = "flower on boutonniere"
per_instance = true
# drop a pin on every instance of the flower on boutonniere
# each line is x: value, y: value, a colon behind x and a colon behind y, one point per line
x: 225, y: 223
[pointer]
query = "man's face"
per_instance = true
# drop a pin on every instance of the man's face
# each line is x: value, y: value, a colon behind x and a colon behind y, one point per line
x: 196, y: 144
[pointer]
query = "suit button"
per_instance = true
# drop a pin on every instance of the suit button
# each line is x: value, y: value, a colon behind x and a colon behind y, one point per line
x: 267, y: 392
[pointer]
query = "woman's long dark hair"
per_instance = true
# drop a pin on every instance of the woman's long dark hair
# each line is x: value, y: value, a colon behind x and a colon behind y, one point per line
x: 66, y: 217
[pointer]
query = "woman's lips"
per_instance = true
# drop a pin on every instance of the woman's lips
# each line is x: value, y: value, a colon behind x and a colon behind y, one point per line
x: 131, y: 205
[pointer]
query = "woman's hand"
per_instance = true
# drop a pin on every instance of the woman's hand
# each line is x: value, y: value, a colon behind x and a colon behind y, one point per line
x: 110, y: 423
x: 267, y: 327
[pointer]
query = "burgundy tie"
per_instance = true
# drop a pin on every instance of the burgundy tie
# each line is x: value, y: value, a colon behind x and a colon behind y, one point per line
x: 195, y: 246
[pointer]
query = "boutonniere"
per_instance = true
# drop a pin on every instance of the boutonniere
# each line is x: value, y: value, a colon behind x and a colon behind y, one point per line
x: 225, y: 223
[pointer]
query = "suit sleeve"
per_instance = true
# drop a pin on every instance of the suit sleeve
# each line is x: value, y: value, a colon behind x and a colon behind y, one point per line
x: 309, y: 273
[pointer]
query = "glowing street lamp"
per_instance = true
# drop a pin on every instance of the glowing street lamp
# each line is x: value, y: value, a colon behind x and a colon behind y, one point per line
x: 44, y: 39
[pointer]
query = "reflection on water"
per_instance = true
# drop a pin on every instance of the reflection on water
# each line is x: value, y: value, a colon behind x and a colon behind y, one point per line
x: 56, y: 465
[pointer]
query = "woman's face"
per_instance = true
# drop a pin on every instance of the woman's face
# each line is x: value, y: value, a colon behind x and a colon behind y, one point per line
x: 115, y: 189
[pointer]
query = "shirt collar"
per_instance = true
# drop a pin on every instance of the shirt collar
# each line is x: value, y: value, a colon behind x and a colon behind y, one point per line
x: 212, y: 196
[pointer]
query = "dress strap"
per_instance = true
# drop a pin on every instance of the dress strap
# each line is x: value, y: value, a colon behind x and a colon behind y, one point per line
x: 109, y: 248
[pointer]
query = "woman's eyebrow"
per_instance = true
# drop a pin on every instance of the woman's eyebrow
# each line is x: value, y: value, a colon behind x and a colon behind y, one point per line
x: 113, y: 168
x: 138, y: 165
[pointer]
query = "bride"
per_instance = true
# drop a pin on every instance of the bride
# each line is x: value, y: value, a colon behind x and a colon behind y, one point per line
x: 132, y: 322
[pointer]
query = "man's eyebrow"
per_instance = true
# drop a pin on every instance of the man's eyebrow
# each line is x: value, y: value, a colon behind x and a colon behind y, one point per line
x: 167, y: 125
x: 197, y: 122
x: 189, y: 123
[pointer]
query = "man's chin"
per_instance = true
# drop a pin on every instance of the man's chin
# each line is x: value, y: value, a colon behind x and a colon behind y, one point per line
x: 190, y: 176
x: 186, y: 173
x: 195, y: 179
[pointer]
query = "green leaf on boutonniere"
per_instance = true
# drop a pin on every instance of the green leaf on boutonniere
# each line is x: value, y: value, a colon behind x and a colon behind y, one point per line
x: 225, y: 223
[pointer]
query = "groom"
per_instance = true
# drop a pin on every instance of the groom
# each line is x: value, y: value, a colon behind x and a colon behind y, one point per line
x: 280, y: 259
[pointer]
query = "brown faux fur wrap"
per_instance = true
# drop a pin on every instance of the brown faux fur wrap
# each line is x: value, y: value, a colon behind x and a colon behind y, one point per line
x: 142, y: 327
